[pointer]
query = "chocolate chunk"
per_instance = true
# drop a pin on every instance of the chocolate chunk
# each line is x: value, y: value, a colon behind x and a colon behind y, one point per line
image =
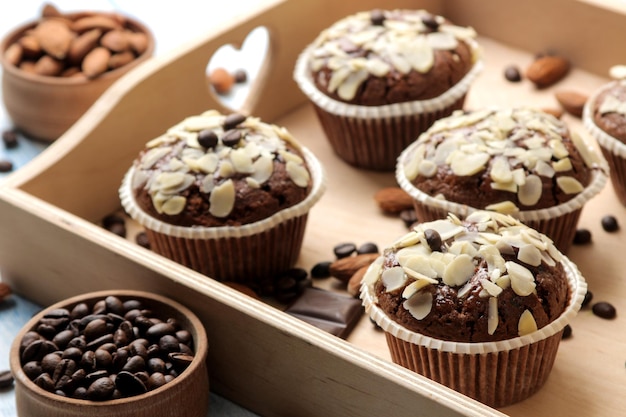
x: 512, y: 74
x: 334, y: 313
x: 604, y: 310
x: 321, y: 270
x: 609, y: 223
x: 207, y: 138
x: 582, y: 237
x: 343, y: 250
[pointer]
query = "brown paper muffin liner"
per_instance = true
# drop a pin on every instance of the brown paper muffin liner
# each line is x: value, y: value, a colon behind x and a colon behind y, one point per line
x: 558, y: 222
x: 372, y: 137
x: 613, y: 149
x: 247, y: 253
x: 495, y: 373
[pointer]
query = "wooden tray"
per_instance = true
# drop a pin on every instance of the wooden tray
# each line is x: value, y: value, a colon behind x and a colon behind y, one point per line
x: 51, y: 246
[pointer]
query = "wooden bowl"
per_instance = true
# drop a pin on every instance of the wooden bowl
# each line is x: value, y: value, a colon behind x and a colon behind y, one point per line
x: 44, y: 107
x: 187, y: 395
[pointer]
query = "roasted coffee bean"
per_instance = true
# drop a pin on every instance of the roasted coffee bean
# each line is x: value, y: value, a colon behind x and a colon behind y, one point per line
x: 433, y: 238
x: 180, y: 360
x: 231, y: 137
x: 118, y: 229
x: 156, y: 365
x: 78, y: 341
x: 208, y: 138
x: 582, y: 237
x: 32, y: 369
x: 93, y: 376
x: 6, y: 165
x: 132, y: 305
x: 129, y: 384
x: 183, y: 348
x: 62, y: 338
x: 156, y: 380
x: 88, y: 360
x: 45, y: 382
x: 99, y: 308
x: 430, y: 22
x: 28, y: 338
x: 609, y: 223
x: 73, y: 353
x: 344, y: 250
x: 233, y: 120
x: 512, y: 74
x: 241, y: 76
x: 408, y: 217
x: 169, y: 343
x: 104, y: 359
x: 156, y: 331
x: 604, y: 310
x: 46, y: 330
x: 96, y: 343
x: 112, y: 219
x: 120, y: 357
x: 183, y: 336
x: 79, y: 310
x: 80, y: 393
x: 134, y: 364
x: 368, y: 247
x: 109, y: 347
x: 37, y: 350
x: 154, y: 350
x: 101, y: 389
x: 66, y: 367
x: 321, y: 270
x: 377, y: 17
x: 9, y: 137
x: 50, y: 362
x: 587, y: 299
x: 6, y: 379
x: 142, y: 240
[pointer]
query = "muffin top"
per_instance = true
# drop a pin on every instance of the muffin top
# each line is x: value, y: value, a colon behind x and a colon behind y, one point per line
x: 383, y: 57
x: 487, y: 278
x: 609, y: 110
x: 220, y: 170
x: 505, y: 160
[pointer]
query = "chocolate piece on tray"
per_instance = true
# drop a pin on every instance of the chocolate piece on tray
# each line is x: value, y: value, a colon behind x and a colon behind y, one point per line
x: 334, y: 313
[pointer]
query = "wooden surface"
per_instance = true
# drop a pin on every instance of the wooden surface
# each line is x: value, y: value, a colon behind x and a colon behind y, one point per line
x: 270, y: 363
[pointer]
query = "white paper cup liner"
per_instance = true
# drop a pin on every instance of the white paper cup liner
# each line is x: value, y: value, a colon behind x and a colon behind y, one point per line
x: 612, y: 148
x: 495, y: 373
x: 558, y: 222
x: 303, y: 207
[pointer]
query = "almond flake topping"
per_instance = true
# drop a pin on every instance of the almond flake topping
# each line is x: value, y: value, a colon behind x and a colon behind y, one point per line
x: 492, y: 316
x: 394, y: 278
x: 527, y: 323
x: 419, y: 305
x: 222, y: 199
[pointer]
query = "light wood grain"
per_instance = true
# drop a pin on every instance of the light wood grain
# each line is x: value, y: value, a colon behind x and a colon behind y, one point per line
x: 261, y: 358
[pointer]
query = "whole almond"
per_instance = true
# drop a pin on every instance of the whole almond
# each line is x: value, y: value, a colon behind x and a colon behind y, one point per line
x: 354, y: 284
x: 55, y: 37
x: 221, y: 80
x: 46, y: 65
x: 82, y: 44
x: 121, y: 59
x: 70, y: 72
x: 101, y: 22
x: 30, y: 45
x: 138, y: 42
x: 116, y: 41
x: 28, y: 66
x: 393, y: 200
x: 13, y: 54
x: 5, y: 291
x: 96, y: 62
x: 558, y: 113
x: 572, y: 101
x: 344, y: 268
x: 547, y: 70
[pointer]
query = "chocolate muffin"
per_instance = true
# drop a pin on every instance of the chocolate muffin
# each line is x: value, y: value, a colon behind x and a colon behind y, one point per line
x: 474, y: 304
x: 226, y: 195
x: 379, y: 78
x: 604, y: 116
x: 517, y: 161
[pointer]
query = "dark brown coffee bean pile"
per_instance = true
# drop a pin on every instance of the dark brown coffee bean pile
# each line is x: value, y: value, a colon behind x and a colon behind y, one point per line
x: 604, y: 310
x: 609, y: 224
x: 112, y: 349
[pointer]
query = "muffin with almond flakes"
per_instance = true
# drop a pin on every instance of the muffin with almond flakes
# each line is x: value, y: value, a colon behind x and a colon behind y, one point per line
x: 518, y: 161
x: 478, y: 304
x: 226, y: 195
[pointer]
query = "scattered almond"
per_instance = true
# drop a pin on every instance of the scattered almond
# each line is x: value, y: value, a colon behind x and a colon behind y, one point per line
x: 344, y: 268
x: 572, y: 101
x: 558, y: 113
x: 354, y: 284
x: 5, y: 291
x: 221, y: 80
x: 547, y: 70
x: 393, y: 200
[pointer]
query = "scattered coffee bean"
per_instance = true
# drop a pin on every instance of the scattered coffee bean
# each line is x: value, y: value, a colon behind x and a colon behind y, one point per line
x: 101, y: 352
x: 609, y: 223
x: 512, y: 74
x: 377, y: 17
x: 587, y: 299
x: 111, y: 219
x: 567, y: 332
x: 207, y: 138
x: 433, y: 239
x: 6, y: 165
x: 582, y: 237
x: 430, y: 22
x: 231, y: 137
x: 233, y: 120
x: 408, y: 217
x: 368, y: 247
x: 241, y: 76
x: 604, y: 310
x: 6, y: 379
x: 118, y: 229
x: 321, y: 270
x: 9, y: 137
x: 142, y: 240
x: 343, y: 250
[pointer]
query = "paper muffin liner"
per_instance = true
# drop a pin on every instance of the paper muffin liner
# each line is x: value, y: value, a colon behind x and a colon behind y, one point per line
x: 243, y: 253
x: 494, y: 373
x: 558, y: 222
x: 613, y: 149
x: 372, y: 137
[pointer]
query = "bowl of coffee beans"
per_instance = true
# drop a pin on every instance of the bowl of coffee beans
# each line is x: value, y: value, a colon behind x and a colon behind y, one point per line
x: 112, y: 353
x: 55, y: 67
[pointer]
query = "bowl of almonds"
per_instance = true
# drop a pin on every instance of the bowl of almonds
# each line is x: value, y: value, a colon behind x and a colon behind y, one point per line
x: 112, y: 353
x: 55, y: 67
